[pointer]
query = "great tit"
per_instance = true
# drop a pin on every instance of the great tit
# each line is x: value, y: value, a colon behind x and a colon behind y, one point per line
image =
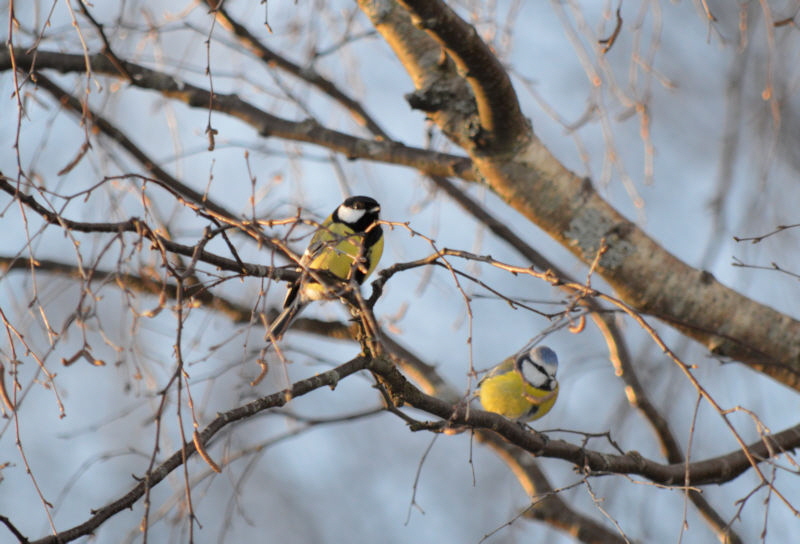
x: 348, y: 244
x: 523, y: 387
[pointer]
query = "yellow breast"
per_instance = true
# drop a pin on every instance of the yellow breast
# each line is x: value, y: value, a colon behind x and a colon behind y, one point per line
x: 508, y: 395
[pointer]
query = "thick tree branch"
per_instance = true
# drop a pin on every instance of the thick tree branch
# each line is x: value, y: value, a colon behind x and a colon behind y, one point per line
x: 441, y: 92
x: 502, y: 125
x: 644, y: 275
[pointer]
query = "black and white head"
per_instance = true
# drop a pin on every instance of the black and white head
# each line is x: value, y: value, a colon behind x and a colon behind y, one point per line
x: 538, y: 367
x: 358, y: 212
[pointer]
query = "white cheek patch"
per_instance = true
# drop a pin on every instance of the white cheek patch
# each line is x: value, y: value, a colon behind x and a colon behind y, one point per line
x: 533, y: 375
x: 349, y: 215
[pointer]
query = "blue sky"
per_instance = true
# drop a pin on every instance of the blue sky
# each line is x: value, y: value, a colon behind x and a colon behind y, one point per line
x: 353, y: 480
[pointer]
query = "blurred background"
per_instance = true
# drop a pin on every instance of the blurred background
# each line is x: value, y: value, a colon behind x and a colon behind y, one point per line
x: 688, y: 125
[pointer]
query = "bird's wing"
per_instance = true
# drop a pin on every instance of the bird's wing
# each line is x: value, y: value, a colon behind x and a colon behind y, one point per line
x: 505, y: 366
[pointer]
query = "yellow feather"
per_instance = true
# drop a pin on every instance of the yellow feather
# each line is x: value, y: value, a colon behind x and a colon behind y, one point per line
x: 341, y: 247
x: 335, y: 248
x: 504, y: 392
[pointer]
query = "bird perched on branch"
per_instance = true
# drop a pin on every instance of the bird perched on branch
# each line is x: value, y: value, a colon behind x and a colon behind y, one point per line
x: 348, y: 245
x: 523, y: 387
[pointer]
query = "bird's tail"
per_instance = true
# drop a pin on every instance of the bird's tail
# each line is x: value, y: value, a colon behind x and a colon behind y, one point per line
x: 283, y: 322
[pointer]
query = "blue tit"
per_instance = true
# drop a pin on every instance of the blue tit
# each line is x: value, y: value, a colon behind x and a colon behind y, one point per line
x: 348, y: 244
x: 523, y: 387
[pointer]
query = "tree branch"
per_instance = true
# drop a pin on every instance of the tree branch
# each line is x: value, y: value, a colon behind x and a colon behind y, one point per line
x: 271, y: 58
x: 619, y: 354
x: 441, y: 92
x: 639, y: 399
x: 265, y: 124
x: 547, y: 506
x: 503, y: 127
x: 109, y: 129
x: 643, y: 274
x: 275, y: 400
x: 137, y: 226
x: 715, y: 470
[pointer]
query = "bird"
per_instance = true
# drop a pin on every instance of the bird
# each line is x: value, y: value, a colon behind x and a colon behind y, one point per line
x: 348, y: 245
x: 523, y: 387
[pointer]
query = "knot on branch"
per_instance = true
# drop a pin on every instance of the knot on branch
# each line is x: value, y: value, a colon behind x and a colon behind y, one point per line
x: 428, y: 100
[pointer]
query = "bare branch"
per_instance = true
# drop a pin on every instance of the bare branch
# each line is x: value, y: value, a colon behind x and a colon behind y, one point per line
x: 180, y: 188
x: 503, y: 126
x: 546, y: 505
x: 272, y: 58
x: 139, y: 227
x: 266, y: 124
x: 177, y: 459
x: 644, y: 275
x: 619, y: 356
x: 107, y: 51
x: 715, y: 470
